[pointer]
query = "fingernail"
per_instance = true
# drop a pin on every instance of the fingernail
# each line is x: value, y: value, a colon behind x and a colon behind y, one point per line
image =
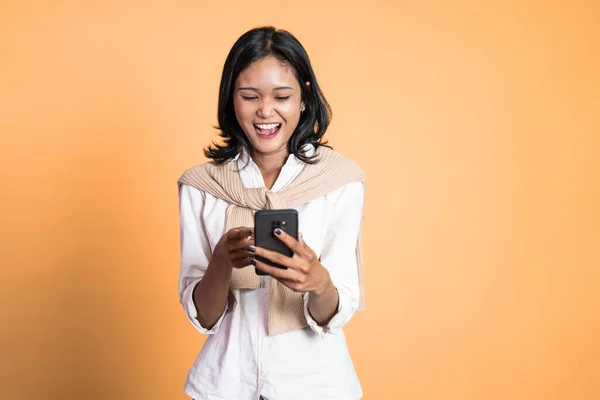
x: 278, y: 231
x: 253, y: 262
x: 251, y: 249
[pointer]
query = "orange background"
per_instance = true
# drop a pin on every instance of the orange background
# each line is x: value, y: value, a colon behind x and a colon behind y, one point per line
x: 477, y: 126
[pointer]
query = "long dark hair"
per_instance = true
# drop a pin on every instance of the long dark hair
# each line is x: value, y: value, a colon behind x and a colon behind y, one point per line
x: 253, y: 46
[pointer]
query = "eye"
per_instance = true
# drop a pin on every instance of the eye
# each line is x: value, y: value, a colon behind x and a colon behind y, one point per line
x: 249, y: 97
x: 282, y: 98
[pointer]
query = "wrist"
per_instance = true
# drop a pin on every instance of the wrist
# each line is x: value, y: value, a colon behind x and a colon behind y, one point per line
x: 325, y: 287
x: 221, y: 266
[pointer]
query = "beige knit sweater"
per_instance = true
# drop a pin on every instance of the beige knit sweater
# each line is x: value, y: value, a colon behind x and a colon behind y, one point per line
x: 332, y: 171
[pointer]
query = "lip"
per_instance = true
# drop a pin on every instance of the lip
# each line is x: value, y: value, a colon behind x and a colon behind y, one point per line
x: 266, y: 123
x: 267, y: 136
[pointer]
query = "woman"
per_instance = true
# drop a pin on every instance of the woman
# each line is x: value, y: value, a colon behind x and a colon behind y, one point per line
x: 276, y: 337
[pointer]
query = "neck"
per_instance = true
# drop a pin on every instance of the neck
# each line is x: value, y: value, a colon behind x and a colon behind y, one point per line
x: 270, y: 165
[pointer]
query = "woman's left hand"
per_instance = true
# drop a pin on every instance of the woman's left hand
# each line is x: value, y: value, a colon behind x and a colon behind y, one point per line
x: 304, y: 274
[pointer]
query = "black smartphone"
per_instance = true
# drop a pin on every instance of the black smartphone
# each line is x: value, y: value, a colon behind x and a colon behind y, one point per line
x: 265, y: 223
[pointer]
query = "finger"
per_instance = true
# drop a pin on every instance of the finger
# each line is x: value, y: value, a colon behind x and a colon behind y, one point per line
x: 241, y: 244
x: 273, y: 256
x: 240, y: 254
x: 289, y: 241
x: 242, y: 263
x: 295, y: 286
x: 239, y: 233
x: 301, y: 240
x: 275, y: 272
x: 308, y: 253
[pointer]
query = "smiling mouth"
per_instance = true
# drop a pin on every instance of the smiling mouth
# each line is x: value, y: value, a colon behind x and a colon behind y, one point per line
x: 267, y: 130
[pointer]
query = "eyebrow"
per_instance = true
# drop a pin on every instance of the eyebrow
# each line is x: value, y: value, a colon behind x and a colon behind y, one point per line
x: 256, y: 90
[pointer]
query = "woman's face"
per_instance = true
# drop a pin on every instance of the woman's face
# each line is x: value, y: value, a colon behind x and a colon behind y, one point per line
x: 267, y: 103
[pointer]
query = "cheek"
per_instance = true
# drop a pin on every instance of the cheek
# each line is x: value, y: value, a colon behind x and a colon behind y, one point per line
x: 291, y: 112
x: 243, y: 111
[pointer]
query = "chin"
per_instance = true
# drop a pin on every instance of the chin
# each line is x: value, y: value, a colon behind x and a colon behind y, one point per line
x: 271, y: 145
x: 269, y: 148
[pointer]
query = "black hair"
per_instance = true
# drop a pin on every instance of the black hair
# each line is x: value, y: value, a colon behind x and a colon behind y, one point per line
x: 255, y: 45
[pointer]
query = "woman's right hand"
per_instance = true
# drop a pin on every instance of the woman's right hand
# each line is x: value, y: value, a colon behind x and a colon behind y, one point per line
x: 232, y: 249
x: 210, y: 295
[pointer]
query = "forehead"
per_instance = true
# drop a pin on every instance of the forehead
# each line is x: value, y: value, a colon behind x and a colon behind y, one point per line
x: 267, y: 73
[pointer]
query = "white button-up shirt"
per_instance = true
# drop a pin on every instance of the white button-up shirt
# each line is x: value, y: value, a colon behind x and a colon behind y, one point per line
x: 239, y: 361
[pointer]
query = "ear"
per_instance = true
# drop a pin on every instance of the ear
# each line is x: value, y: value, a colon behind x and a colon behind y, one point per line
x: 302, y: 107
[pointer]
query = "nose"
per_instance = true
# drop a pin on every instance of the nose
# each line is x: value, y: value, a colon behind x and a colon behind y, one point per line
x: 265, y: 110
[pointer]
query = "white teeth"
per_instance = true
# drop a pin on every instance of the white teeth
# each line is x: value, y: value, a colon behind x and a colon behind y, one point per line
x: 267, y: 126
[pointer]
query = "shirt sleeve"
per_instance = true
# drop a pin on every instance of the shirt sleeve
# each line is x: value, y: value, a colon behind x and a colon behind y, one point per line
x: 195, y: 253
x: 345, y: 206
